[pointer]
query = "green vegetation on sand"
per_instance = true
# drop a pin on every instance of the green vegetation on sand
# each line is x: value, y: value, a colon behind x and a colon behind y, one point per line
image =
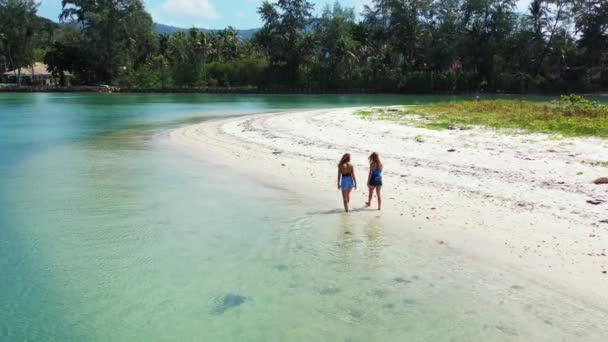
x: 568, y: 116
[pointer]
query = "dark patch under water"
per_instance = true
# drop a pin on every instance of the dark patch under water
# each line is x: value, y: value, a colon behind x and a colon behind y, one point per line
x: 401, y: 280
x: 380, y: 293
x: 281, y: 267
x: 228, y: 302
x: 330, y: 291
x: 409, y: 301
x: 507, y: 330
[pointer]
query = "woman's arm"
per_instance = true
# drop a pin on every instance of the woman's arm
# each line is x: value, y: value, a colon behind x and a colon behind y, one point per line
x: 369, y: 175
x: 354, y: 178
x: 339, y: 176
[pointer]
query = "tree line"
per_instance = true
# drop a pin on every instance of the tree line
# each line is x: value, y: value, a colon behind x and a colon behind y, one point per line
x: 393, y: 45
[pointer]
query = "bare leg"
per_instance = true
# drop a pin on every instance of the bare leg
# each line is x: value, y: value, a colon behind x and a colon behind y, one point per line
x: 369, y: 198
x: 345, y: 199
x: 348, y: 196
x: 379, y: 194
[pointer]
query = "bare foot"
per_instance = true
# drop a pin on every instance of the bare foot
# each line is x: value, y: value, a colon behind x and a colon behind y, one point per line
x: 367, y: 204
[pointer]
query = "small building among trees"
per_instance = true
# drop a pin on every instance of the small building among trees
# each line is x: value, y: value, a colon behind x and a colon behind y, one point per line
x: 36, y: 75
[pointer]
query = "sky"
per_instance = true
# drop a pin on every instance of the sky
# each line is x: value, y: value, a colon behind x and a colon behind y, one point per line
x: 213, y: 14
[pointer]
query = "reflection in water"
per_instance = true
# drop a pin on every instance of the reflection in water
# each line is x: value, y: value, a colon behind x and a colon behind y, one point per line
x: 364, y: 230
x: 346, y: 231
x: 373, y: 230
x: 346, y: 224
x: 374, y: 227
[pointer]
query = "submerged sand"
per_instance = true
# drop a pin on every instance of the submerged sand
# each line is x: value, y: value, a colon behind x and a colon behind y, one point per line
x: 519, y: 201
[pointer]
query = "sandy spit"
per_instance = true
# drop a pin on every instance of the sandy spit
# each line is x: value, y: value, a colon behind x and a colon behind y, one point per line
x: 516, y: 200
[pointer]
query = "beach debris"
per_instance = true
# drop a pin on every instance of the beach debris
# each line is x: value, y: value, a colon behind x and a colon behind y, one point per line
x: 227, y: 302
x: 453, y: 127
x: 452, y: 150
x: 283, y: 164
x: 276, y: 152
x: 523, y: 157
x: 355, y: 315
x: 605, y: 272
x: 603, y: 180
x: 604, y: 221
x: 420, y: 139
x: 509, y: 331
x: 401, y: 280
x: 595, y: 202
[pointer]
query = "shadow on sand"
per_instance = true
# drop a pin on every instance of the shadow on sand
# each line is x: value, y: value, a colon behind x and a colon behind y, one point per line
x: 340, y: 211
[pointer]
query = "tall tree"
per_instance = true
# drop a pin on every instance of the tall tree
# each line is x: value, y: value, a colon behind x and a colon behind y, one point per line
x: 188, y: 53
x: 285, y: 36
x: 337, y: 47
x: 226, y: 44
x: 65, y: 55
x: 116, y: 34
x: 488, y: 24
x: 591, y: 19
x: 553, y: 16
x: 445, y: 35
x: 17, y: 31
x: 405, y: 24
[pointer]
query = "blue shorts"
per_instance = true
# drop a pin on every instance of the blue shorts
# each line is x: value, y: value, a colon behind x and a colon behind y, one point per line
x: 375, y: 181
x: 347, y: 183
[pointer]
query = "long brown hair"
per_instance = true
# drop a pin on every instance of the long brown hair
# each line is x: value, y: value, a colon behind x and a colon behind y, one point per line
x: 375, y: 158
x: 345, y: 159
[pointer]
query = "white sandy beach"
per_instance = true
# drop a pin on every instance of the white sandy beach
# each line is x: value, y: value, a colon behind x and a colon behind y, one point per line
x: 514, y: 200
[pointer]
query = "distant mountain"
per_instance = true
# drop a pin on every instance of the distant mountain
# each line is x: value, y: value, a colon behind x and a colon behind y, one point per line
x: 159, y: 28
x: 168, y: 29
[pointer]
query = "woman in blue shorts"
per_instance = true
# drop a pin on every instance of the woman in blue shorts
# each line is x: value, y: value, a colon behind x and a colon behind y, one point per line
x: 346, y: 179
x: 374, y: 179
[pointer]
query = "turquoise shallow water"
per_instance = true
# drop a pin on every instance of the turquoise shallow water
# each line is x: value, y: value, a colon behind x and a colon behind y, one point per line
x: 107, y: 233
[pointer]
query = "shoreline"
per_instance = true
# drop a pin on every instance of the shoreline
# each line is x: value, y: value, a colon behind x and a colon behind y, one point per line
x: 516, y: 201
x: 266, y: 91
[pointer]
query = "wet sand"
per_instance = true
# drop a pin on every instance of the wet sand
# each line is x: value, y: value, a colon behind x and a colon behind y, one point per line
x: 518, y: 201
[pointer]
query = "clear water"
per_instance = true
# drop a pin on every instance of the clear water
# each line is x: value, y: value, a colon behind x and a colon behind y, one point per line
x: 107, y: 233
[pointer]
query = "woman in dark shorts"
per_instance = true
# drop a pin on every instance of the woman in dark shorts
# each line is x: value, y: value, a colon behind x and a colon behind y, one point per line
x: 346, y: 179
x: 374, y: 179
